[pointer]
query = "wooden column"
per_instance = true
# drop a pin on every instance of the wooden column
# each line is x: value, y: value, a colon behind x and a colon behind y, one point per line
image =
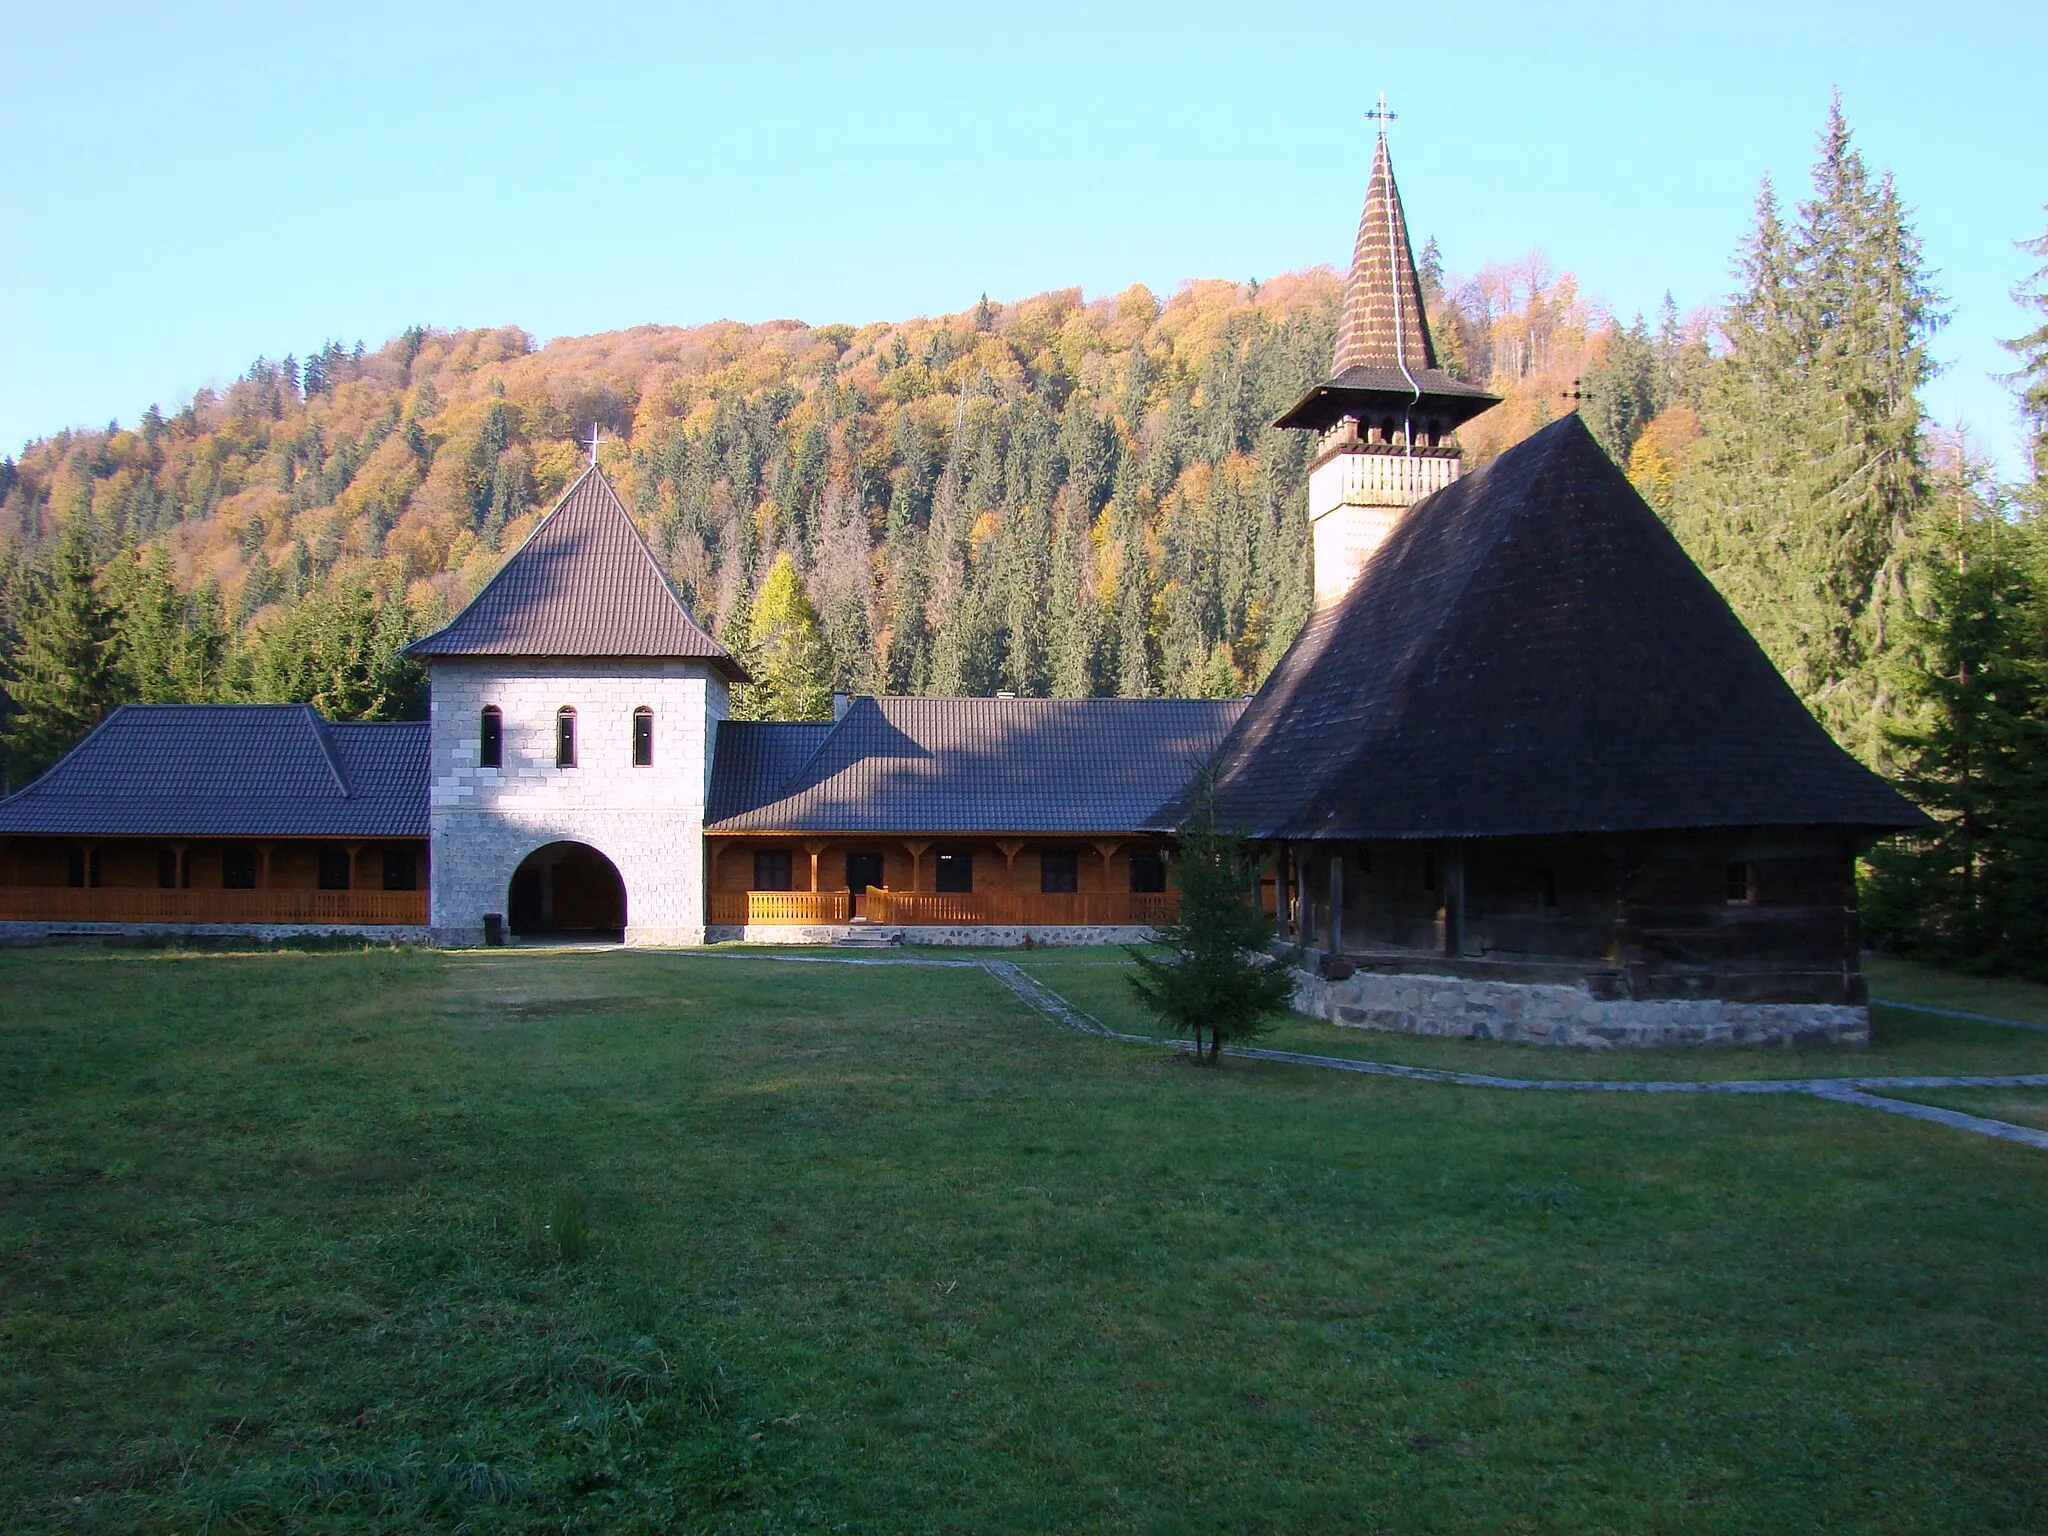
x: 1108, y: 852
x: 263, y: 866
x: 1304, y: 914
x: 1454, y: 899
x: 814, y: 849
x: 1283, y: 907
x: 1336, y: 944
x: 916, y: 852
x: 1009, y: 851
x: 354, y: 880
x: 181, y: 868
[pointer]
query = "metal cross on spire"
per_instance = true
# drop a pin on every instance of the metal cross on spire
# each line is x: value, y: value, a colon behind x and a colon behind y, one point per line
x: 594, y: 435
x: 1381, y: 115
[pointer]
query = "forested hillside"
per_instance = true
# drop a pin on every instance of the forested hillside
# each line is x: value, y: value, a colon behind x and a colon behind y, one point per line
x: 1053, y: 495
x: 1073, y: 496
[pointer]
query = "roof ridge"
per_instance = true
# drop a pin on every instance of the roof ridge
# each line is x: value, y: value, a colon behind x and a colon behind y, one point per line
x: 826, y: 740
x: 318, y: 724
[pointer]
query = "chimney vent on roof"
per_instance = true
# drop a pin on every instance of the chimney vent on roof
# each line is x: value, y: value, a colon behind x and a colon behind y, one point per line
x: 841, y: 703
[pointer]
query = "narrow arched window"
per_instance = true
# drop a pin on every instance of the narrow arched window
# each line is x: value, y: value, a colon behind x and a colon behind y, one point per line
x: 491, y: 754
x: 565, y: 737
x: 643, y: 737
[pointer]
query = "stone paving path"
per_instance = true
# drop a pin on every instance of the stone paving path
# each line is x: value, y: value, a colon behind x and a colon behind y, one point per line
x: 1036, y: 995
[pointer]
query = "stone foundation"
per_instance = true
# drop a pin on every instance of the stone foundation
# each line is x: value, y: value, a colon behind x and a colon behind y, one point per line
x: 1553, y: 1014
x: 977, y: 936
x: 255, y: 933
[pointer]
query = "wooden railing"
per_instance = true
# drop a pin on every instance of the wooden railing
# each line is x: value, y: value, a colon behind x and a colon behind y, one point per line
x: 68, y: 904
x: 780, y: 908
x: 945, y: 909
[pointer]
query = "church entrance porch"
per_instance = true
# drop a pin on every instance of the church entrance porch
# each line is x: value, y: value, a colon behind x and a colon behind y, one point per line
x: 567, y: 890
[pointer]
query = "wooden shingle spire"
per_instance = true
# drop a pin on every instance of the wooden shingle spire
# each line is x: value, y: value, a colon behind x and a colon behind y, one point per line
x: 1383, y: 326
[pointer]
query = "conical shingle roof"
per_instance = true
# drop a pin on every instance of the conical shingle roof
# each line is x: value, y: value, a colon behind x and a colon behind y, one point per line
x: 583, y: 584
x: 1385, y: 358
x: 1532, y: 653
x: 1383, y: 325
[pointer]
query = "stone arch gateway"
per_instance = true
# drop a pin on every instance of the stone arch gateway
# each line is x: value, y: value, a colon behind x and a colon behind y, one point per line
x: 568, y: 890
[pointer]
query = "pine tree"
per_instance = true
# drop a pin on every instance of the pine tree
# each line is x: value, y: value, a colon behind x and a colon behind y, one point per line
x: 66, y: 669
x: 1218, y: 978
x: 792, y: 672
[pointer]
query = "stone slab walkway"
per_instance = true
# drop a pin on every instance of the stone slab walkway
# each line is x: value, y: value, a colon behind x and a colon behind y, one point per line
x: 1036, y: 995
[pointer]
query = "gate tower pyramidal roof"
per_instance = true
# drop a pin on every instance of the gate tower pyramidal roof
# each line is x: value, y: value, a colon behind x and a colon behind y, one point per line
x: 1385, y: 359
x: 584, y: 583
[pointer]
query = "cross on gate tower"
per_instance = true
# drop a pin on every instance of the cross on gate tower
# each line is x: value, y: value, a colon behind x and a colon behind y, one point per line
x: 1381, y: 115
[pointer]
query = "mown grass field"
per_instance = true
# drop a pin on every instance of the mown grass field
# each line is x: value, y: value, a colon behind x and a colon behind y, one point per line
x: 521, y: 1242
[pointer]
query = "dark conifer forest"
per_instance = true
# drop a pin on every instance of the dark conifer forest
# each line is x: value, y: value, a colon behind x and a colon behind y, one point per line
x: 1063, y: 495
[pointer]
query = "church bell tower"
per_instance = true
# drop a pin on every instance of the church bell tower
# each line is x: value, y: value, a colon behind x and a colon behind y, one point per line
x: 1387, y: 414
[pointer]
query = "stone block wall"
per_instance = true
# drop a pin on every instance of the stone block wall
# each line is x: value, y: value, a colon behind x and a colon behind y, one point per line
x: 649, y: 821
x: 1540, y: 1014
x: 967, y: 936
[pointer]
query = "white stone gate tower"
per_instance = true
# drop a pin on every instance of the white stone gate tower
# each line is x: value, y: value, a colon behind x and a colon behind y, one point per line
x: 575, y: 706
x: 1387, y: 413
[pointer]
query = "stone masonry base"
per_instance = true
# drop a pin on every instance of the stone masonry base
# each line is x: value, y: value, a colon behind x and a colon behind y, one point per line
x: 979, y: 936
x: 1538, y: 1014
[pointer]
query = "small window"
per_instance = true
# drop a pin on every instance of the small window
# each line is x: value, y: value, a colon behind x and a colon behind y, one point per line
x: 1428, y: 871
x: 565, y: 737
x: 401, y: 869
x: 1365, y: 858
x: 863, y: 870
x: 238, y: 869
x: 643, y: 737
x: 491, y: 752
x: 771, y: 869
x: 1546, y: 889
x: 333, y: 869
x: 1148, y: 871
x: 74, y: 868
x: 1742, y: 882
x: 1059, y: 869
x: 956, y: 872
x: 167, y: 869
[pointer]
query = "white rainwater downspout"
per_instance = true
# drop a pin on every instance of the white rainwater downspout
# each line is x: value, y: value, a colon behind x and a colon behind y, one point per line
x: 1400, y: 344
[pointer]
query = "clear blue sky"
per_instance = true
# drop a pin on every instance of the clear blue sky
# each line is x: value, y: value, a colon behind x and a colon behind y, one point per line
x: 189, y: 186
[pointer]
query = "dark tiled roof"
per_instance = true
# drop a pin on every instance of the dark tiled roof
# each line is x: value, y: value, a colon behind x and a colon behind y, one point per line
x: 755, y: 758
x: 230, y: 770
x: 967, y: 765
x: 583, y: 584
x: 1531, y: 652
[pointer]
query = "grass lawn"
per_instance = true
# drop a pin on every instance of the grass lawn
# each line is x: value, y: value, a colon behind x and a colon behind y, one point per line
x: 2001, y: 997
x: 521, y: 1242
x: 1903, y: 1043
x: 2015, y: 1106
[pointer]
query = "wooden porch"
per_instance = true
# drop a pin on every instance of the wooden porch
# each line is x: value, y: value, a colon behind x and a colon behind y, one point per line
x: 62, y: 904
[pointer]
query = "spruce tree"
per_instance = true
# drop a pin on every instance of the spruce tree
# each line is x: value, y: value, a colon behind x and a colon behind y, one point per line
x: 66, y: 669
x: 1218, y: 980
x: 2030, y: 379
x: 1975, y: 889
x: 1801, y: 498
x: 792, y: 671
